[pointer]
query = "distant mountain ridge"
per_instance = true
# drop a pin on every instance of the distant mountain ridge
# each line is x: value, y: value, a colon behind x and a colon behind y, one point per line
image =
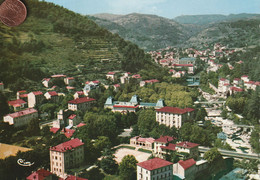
x: 152, y: 32
x: 212, y: 18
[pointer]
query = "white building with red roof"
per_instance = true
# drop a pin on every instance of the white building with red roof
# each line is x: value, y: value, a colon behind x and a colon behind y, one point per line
x: 146, y: 143
x: 21, y: 118
x: 188, y: 147
x: 81, y: 104
x: 17, y: 104
x: 162, y: 141
x: 245, y: 78
x: 154, y: 169
x: 111, y: 75
x: 45, y: 82
x: 185, y: 169
x: 78, y: 94
x: 173, y: 116
x: 40, y: 174
x: 35, y: 98
x: 66, y: 155
x: 52, y: 95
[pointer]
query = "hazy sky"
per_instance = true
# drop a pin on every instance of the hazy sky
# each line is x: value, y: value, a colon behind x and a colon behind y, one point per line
x: 165, y: 8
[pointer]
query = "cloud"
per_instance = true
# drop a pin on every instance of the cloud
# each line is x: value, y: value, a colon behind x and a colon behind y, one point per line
x: 129, y: 6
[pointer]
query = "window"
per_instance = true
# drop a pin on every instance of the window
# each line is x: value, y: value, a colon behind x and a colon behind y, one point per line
x: 146, y: 172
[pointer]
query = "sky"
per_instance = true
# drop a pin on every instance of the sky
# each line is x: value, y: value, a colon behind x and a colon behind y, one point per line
x: 164, y: 8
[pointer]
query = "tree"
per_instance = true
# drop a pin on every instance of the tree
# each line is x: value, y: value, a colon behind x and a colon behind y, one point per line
x: 108, y: 163
x: 172, y: 157
x: 4, y: 109
x: 212, y: 155
x: 127, y: 168
x: 146, y: 121
x: 33, y: 128
x: 201, y: 114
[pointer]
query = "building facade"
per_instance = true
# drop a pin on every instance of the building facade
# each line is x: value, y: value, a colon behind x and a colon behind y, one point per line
x: 81, y: 104
x: 21, y: 118
x: 155, y: 169
x: 173, y: 116
x: 185, y: 169
x: 146, y: 143
x: 35, y: 98
x: 67, y: 155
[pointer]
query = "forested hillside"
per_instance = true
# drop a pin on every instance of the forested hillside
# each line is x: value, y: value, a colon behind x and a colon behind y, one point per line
x: 55, y: 40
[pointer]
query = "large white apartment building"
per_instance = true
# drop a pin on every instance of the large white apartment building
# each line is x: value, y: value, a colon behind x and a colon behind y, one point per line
x: 173, y: 116
x: 67, y: 155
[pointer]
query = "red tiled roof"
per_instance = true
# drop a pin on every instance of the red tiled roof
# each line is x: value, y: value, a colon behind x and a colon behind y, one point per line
x: 24, y: 95
x: 250, y: 82
x: 16, y: 102
x: 226, y: 84
x: 174, y: 110
x: 236, y: 89
x: 117, y: 85
x: 187, y: 164
x: 81, y: 100
x: 257, y: 83
x: 22, y: 91
x: 70, y: 78
x: 237, y: 79
x: 36, y: 93
x: 169, y: 147
x: 186, y: 144
x: 96, y: 82
x: 122, y: 106
x: 222, y: 79
x: 71, y: 144
x: 1, y: 83
x: 137, y: 76
x: 154, y: 163
x: 54, y: 130
x: 152, y: 81
x: 70, y: 177
x: 80, y: 92
x: 81, y: 124
x: 22, y: 113
x: 140, y: 139
x: 72, y: 116
x: 244, y: 76
x: 70, y: 87
x: 53, y: 93
x: 111, y: 73
x: 40, y: 174
x: 58, y: 75
x: 68, y: 132
x: 46, y: 79
x: 165, y: 139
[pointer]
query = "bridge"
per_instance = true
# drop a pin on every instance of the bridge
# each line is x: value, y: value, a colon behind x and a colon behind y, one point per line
x: 232, y: 153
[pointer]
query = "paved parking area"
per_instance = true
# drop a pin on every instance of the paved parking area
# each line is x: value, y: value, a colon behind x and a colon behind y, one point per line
x: 140, y: 156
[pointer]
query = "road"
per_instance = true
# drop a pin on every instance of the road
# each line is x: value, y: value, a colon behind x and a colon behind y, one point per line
x: 232, y: 153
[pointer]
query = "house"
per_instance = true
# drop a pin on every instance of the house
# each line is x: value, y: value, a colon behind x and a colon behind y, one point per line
x: 245, y: 78
x: 235, y: 90
x: 45, y: 82
x: 89, y: 85
x: 146, y: 143
x: 21, y: 118
x: 17, y: 104
x: 73, y: 120
x: 1, y: 86
x: 78, y: 94
x: 162, y: 141
x: 52, y: 95
x: 179, y: 74
x: 22, y: 95
x: 35, y: 98
x: 81, y: 104
x: 136, y: 76
x: 111, y: 76
x: 185, y: 169
x: 125, y: 78
x: 188, y: 147
x: 189, y: 67
x: 154, y: 169
x: 249, y: 84
x: 66, y: 155
x: 151, y: 81
x: 58, y: 76
x: 69, y: 80
x: 173, y: 116
x: 116, y: 87
x: 237, y: 81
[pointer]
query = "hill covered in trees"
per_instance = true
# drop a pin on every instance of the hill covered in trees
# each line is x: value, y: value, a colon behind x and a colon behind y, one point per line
x: 55, y: 40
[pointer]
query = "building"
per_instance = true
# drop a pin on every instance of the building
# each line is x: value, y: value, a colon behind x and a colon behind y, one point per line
x: 146, y: 143
x: 41, y: 174
x: 132, y: 106
x: 78, y: 94
x: 52, y: 96
x: 189, y: 67
x: 73, y: 120
x: 35, y: 98
x: 89, y: 85
x: 17, y: 104
x: 111, y: 76
x: 154, y: 169
x: 173, y: 116
x: 66, y: 155
x: 45, y: 82
x: 81, y: 104
x: 188, y: 147
x: 162, y: 141
x: 151, y: 81
x: 245, y: 78
x: 189, y: 60
x: 21, y: 118
x: 185, y: 169
x: 69, y: 80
